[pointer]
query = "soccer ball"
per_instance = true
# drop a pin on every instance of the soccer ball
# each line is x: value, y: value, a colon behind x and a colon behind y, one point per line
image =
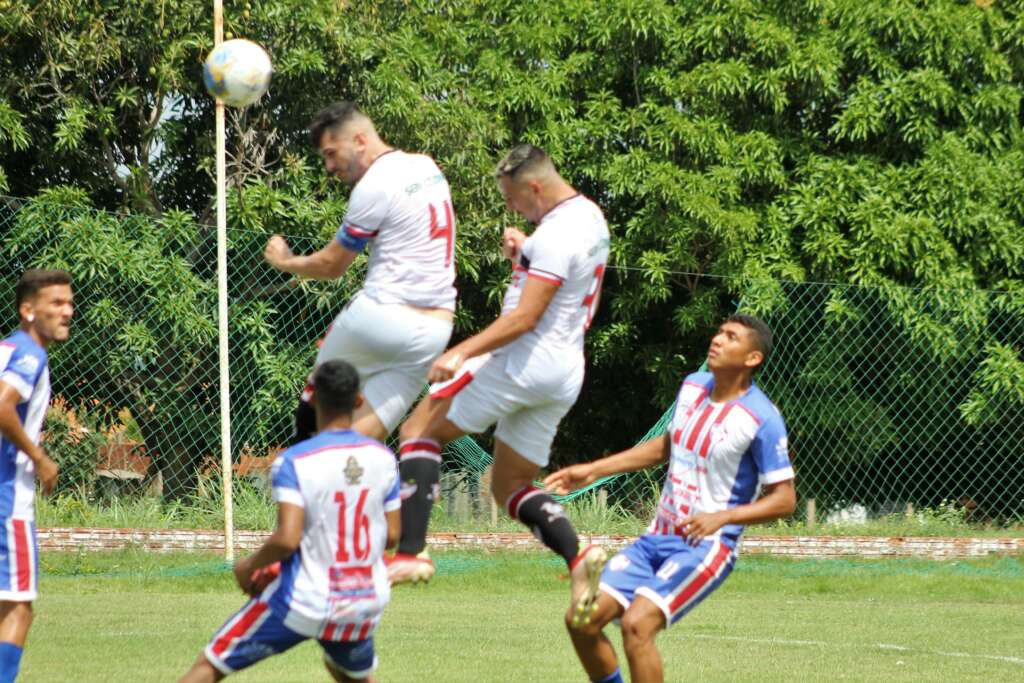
x: 237, y: 72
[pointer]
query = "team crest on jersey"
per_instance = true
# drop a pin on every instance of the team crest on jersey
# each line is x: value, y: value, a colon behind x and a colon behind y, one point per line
x: 353, y: 472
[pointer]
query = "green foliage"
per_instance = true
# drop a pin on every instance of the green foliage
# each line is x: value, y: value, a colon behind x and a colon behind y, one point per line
x: 731, y: 144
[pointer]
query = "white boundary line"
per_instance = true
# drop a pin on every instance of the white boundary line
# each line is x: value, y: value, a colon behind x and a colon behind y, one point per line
x: 881, y: 646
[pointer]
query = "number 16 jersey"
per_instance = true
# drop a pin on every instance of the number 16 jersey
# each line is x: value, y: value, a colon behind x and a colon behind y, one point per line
x: 402, y: 208
x: 335, y: 585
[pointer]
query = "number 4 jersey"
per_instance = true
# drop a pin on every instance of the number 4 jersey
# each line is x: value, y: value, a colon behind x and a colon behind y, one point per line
x: 402, y: 207
x: 335, y: 586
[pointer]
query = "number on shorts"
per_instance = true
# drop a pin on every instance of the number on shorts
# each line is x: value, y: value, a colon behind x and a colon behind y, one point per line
x: 445, y: 231
x: 360, y: 528
x: 593, y: 295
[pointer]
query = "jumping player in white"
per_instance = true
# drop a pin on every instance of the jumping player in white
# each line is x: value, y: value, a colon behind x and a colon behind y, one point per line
x: 45, y: 307
x: 725, y: 441
x: 401, y: 319
x: 524, y: 371
x: 338, y: 508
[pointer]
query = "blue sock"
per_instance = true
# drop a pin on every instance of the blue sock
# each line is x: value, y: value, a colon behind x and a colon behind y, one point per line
x: 10, y: 660
x: 613, y: 677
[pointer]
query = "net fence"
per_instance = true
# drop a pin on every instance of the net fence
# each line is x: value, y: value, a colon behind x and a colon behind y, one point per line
x: 893, y: 396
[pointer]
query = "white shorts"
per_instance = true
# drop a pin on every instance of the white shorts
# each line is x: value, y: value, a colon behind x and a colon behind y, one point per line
x: 391, y: 347
x: 483, y: 393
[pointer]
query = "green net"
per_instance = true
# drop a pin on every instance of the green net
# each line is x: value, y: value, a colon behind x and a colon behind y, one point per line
x: 893, y: 396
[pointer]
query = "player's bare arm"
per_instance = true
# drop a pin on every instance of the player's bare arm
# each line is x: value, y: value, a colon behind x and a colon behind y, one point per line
x: 329, y: 263
x: 641, y: 456
x: 537, y: 295
x: 284, y: 541
x: 13, y: 431
x: 778, y: 501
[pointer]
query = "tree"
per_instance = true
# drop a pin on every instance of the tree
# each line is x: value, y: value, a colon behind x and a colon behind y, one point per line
x: 733, y: 145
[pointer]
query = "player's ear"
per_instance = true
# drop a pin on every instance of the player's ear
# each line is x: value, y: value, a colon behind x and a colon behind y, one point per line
x: 754, y: 359
x: 27, y: 310
x: 358, y: 403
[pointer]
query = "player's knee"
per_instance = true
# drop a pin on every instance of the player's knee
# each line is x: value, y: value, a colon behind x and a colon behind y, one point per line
x: 637, y: 628
x: 410, y: 429
x: 24, y: 614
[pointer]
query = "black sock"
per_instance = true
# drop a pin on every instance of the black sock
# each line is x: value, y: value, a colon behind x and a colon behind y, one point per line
x: 305, y: 422
x: 419, y: 467
x: 546, y: 520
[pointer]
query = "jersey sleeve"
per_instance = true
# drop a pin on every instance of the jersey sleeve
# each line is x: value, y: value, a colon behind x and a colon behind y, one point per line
x: 393, y: 498
x: 367, y: 209
x: 770, y: 449
x: 550, y: 257
x: 285, y: 482
x: 21, y: 368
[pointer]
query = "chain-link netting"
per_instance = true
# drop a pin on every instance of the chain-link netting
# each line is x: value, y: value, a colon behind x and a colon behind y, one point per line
x: 893, y: 396
x: 898, y: 397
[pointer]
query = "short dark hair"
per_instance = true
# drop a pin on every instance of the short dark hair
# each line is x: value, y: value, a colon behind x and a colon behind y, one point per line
x: 522, y: 158
x: 334, y: 115
x: 762, y: 334
x: 335, y: 387
x: 35, y: 279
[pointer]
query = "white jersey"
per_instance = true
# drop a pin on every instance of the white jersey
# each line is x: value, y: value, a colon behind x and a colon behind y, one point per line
x: 402, y: 207
x: 568, y: 248
x: 335, y: 586
x: 721, y: 453
x: 23, y: 365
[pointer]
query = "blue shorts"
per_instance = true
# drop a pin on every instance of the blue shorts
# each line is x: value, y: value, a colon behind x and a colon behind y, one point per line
x: 255, y: 633
x: 669, y: 572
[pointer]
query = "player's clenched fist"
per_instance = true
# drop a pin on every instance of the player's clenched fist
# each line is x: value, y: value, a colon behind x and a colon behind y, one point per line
x: 445, y: 367
x: 512, y: 243
x: 569, y: 479
x: 277, y: 250
x: 46, y: 473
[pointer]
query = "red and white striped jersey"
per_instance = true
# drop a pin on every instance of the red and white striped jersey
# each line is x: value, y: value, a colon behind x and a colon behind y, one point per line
x: 402, y: 207
x: 569, y: 248
x: 721, y: 453
x: 336, y: 583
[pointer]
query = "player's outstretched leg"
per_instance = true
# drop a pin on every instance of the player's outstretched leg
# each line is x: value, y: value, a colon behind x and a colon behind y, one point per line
x: 512, y: 482
x: 423, y: 435
x: 593, y: 648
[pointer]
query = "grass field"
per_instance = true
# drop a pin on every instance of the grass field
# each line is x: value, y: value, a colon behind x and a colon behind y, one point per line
x: 132, y: 616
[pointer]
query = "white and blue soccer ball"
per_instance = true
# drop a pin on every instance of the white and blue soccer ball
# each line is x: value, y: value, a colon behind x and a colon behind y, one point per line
x: 237, y: 72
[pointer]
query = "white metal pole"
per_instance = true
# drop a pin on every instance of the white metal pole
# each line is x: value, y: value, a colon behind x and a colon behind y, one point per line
x: 222, y: 310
